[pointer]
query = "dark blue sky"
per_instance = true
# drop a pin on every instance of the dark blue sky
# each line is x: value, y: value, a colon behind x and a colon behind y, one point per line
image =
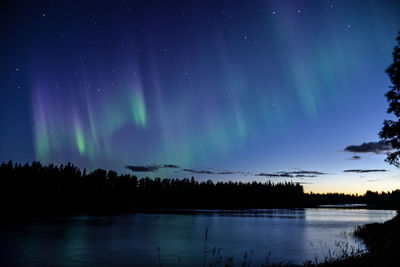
x: 250, y: 90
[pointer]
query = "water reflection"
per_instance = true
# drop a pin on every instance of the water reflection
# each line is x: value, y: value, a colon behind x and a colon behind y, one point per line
x: 283, y: 234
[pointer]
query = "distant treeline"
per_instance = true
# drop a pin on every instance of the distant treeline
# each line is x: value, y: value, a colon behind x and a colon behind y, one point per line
x: 65, y: 188
x: 390, y: 200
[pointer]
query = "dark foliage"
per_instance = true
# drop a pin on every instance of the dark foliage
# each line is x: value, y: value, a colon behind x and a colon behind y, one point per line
x: 391, y: 129
x: 390, y: 200
x: 37, y: 188
x: 64, y: 188
x: 382, y: 241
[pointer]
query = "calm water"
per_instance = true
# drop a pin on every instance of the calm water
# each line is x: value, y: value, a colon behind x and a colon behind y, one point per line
x: 132, y: 240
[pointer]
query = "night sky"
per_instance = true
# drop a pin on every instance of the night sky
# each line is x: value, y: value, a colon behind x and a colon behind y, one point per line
x: 221, y: 90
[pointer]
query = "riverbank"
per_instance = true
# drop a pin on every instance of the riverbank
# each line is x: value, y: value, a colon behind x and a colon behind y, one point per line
x: 382, y: 241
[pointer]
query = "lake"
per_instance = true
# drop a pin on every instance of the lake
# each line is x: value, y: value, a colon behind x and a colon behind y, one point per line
x: 132, y: 239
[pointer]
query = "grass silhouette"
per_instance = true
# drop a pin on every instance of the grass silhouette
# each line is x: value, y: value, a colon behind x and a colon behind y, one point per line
x: 382, y: 241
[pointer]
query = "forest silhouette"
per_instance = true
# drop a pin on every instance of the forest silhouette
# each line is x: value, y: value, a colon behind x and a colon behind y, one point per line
x: 36, y: 188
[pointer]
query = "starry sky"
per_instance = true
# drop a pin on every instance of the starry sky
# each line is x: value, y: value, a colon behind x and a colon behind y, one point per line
x: 221, y: 90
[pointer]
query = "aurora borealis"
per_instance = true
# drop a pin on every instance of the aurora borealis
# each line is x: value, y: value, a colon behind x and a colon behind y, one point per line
x: 238, y: 88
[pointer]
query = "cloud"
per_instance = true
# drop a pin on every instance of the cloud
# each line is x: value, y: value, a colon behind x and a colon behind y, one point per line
x: 283, y: 174
x: 297, y: 174
x: 307, y: 172
x: 209, y: 172
x: 356, y: 157
x: 150, y: 168
x: 156, y: 167
x: 170, y: 166
x: 365, y: 171
x: 374, y: 147
x: 198, y: 171
x: 227, y: 172
x: 304, y: 176
x: 275, y: 175
x: 143, y: 168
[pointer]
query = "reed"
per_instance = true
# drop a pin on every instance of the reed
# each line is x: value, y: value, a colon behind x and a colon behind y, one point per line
x: 381, y: 239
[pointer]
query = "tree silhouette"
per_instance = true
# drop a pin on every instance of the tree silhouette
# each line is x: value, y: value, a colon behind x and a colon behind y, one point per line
x: 391, y: 129
x: 65, y: 188
x: 48, y: 189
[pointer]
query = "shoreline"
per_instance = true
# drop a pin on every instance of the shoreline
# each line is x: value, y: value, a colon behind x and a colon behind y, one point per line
x: 23, y: 214
x: 382, y: 241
